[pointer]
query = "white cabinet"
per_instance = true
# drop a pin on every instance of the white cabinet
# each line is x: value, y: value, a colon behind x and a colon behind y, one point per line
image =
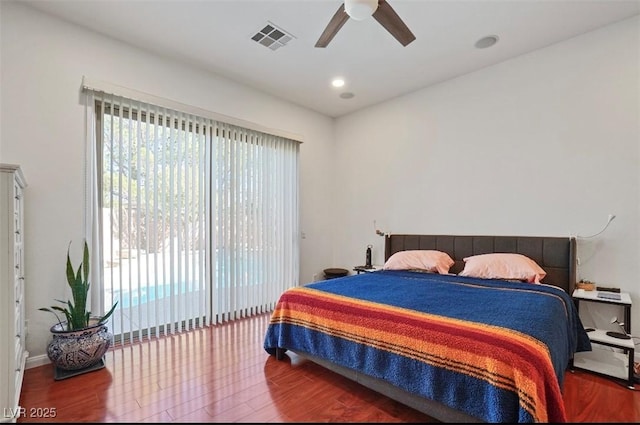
x: 611, y: 356
x: 12, y: 320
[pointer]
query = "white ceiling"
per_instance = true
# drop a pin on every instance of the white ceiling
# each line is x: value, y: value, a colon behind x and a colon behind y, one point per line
x: 216, y: 35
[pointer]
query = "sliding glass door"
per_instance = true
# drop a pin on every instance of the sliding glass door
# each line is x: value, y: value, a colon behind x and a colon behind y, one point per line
x: 199, y: 219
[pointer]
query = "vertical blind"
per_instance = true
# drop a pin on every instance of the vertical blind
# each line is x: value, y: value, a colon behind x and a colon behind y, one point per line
x: 198, y: 219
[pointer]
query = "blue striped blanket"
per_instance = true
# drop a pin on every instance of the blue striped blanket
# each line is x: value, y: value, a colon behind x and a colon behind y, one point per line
x: 493, y: 349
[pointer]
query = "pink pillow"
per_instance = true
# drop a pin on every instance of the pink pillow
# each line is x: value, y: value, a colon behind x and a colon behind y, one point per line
x: 503, y: 266
x: 423, y: 260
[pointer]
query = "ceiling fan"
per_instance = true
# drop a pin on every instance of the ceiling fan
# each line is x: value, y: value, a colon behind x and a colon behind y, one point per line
x: 362, y: 9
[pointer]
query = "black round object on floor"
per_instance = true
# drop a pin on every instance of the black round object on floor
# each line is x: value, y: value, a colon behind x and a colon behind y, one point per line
x: 618, y: 335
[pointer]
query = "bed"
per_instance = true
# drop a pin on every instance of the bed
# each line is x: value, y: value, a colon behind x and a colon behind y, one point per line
x: 458, y: 348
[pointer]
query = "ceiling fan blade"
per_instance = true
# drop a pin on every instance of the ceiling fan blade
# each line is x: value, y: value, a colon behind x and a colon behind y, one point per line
x: 389, y: 19
x: 334, y: 25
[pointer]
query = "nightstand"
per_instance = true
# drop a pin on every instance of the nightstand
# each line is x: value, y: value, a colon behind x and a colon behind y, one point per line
x: 363, y: 269
x: 613, y: 364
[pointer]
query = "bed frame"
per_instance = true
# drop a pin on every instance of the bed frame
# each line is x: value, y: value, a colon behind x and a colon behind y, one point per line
x: 556, y: 255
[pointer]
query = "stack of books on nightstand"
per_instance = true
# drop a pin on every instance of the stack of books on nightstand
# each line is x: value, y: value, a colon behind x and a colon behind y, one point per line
x: 609, y: 295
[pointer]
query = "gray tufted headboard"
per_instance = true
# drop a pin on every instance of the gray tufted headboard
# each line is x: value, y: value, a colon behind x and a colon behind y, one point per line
x: 556, y: 255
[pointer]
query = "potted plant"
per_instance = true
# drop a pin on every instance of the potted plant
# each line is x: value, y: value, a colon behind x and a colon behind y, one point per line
x: 81, y: 340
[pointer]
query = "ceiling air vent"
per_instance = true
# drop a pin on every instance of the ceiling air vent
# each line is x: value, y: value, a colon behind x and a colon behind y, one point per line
x: 272, y: 37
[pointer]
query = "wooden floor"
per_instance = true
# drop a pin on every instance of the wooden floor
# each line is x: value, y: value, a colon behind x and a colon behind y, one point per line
x: 222, y: 374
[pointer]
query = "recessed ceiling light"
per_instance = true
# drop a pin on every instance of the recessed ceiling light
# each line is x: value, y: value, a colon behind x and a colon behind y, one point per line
x: 346, y: 95
x: 487, y: 41
x: 337, y: 82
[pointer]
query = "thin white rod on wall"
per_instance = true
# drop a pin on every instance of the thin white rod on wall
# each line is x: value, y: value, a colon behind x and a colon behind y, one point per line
x: 609, y: 220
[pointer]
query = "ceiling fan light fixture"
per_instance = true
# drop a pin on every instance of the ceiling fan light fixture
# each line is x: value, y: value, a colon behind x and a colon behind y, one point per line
x: 360, y: 9
x: 380, y: 10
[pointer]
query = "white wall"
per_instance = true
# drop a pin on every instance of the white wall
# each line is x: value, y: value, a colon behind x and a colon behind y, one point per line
x: 546, y: 144
x: 43, y: 62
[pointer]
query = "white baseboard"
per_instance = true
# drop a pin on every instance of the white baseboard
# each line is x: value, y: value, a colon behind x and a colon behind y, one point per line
x: 35, y: 361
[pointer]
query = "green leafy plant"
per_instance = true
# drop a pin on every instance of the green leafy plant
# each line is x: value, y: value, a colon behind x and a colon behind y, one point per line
x: 76, y: 314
